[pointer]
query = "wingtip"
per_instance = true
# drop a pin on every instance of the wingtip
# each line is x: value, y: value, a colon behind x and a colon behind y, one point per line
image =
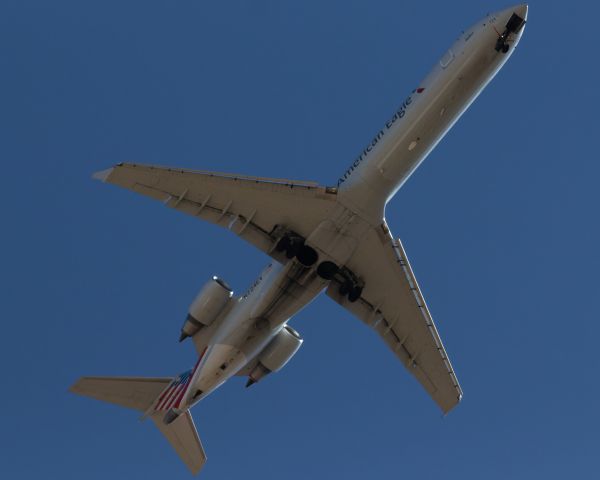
x: 103, y: 174
x: 74, y: 388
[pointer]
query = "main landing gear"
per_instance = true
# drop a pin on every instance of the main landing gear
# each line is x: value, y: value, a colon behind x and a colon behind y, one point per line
x: 293, y: 246
x: 349, y: 284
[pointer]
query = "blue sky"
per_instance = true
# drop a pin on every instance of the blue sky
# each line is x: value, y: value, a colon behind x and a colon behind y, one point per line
x: 500, y: 224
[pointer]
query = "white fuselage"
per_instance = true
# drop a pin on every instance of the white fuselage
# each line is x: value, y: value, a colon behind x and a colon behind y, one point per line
x: 426, y: 115
x: 251, y: 323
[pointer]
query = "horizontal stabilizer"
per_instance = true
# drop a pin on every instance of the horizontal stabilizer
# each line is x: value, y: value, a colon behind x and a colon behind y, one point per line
x: 182, y: 435
x: 132, y: 392
x: 140, y: 394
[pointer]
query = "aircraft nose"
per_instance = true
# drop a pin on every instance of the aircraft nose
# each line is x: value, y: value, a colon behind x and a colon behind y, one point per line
x: 510, y: 23
x: 519, y: 10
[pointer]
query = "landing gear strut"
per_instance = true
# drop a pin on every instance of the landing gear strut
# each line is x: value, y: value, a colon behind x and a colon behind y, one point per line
x: 501, y: 44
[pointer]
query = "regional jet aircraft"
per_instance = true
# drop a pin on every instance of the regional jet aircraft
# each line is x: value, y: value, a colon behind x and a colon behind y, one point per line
x: 331, y: 239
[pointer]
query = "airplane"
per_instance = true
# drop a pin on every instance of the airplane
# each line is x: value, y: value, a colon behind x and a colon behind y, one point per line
x: 331, y: 239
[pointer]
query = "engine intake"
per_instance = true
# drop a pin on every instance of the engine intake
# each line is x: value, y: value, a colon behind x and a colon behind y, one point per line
x: 206, y: 307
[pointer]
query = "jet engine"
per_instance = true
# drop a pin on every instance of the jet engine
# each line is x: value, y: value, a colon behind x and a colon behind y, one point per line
x: 206, y: 307
x: 276, y: 354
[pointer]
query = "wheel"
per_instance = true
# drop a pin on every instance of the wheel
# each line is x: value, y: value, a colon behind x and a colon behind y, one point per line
x: 307, y: 256
x: 345, y: 288
x: 294, y: 247
x: 291, y: 251
x: 283, y: 244
x: 354, y: 294
x: 327, y: 270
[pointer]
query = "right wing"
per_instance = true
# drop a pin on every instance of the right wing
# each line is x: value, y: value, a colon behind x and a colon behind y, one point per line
x: 256, y: 209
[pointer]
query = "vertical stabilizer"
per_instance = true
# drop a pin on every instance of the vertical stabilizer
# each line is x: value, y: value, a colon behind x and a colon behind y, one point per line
x: 182, y: 435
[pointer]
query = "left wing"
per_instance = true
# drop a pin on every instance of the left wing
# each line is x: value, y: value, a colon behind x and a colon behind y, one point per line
x: 392, y: 304
x: 258, y: 210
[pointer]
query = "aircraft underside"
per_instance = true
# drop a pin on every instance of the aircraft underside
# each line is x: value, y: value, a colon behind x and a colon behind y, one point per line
x: 331, y: 239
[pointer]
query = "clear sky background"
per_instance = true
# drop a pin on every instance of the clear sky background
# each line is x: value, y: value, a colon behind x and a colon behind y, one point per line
x: 500, y: 223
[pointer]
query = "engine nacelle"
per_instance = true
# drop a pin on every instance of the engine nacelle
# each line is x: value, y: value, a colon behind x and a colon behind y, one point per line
x: 207, y: 306
x: 276, y: 354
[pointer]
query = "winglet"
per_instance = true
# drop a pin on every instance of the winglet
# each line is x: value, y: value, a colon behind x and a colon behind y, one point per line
x: 103, y: 175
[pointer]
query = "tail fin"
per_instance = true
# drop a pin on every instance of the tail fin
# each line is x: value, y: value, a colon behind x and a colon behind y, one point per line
x: 141, y: 394
x: 182, y: 435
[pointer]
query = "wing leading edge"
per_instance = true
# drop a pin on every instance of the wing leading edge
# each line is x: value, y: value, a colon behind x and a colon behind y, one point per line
x: 393, y: 305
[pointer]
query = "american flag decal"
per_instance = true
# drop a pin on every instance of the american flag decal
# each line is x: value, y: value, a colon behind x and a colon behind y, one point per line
x: 172, y: 395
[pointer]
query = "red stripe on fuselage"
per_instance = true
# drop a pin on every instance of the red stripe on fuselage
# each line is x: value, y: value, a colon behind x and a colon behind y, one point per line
x: 181, y: 395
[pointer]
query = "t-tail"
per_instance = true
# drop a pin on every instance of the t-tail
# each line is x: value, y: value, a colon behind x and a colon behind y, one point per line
x: 158, y: 399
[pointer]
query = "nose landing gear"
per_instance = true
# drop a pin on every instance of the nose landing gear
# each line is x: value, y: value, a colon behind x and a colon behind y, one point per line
x: 502, y: 45
x: 514, y: 25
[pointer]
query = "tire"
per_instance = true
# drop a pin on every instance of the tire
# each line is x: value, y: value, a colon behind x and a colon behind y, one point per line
x: 307, y: 256
x: 354, y: 294
x: 327, y: 270
x: 283, y: 244
x: 345, y: 288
